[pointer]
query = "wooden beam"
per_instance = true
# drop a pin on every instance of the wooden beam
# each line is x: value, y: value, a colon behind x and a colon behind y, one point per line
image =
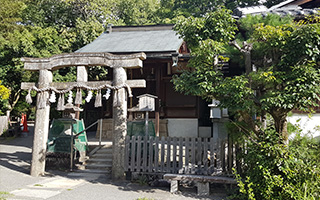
x: 138, y: 83
x: 84, y: 59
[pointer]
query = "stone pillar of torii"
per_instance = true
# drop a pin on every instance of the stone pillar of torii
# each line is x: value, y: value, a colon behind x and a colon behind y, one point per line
x: 120, y: 86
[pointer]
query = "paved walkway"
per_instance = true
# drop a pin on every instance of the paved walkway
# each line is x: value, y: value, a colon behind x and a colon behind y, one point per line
x: 16, y: 183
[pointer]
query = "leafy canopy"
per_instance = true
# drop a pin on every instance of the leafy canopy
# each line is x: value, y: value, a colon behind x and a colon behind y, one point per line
x: 285, y: 55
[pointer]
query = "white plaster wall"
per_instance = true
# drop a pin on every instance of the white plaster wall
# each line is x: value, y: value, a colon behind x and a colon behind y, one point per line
x: 309, y: 125
x: 178, y: 127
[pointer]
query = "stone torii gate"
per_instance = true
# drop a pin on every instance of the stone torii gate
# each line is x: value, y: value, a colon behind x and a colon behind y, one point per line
x: 45, y: 66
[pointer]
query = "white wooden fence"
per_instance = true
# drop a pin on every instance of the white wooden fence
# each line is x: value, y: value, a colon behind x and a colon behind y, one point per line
x: 177, y: 155
x: 3, y: 124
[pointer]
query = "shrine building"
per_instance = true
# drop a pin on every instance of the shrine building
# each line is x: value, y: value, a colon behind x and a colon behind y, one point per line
x: 176, y: 114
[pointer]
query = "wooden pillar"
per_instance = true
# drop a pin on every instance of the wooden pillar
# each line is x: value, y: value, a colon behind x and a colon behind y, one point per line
x: 158, y: 93
x: 82, y: 76
x: 119, y: 124
x: 41, y: 127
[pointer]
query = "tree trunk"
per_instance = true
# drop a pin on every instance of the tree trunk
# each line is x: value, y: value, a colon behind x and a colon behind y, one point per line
x: 280, y: 122
x: 248, y: 119
x: 281, y: 128
x: 246, y: 50
x: 247, y: 61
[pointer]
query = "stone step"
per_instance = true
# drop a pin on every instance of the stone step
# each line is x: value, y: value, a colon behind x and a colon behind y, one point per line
x: 101, y: 155
x: 97, y: 165
x: 106, y: 163
x: 94, y: 171
x: 95, y: 159
x: 100, y: 160
x: 89, y: 175
x: 104, y: 151
x: 109, y: 145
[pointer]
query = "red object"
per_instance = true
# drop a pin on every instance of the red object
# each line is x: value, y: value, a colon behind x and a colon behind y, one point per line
x: 24, y: 123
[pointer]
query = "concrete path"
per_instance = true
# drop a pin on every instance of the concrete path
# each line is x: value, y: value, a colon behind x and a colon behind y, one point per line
x: 16, y: 183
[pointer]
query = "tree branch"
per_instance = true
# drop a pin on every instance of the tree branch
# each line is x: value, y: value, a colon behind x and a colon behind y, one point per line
x: 246, y: 132
x: 236, y: 45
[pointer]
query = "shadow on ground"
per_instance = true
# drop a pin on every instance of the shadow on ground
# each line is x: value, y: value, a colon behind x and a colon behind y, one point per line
x: 18, y: 161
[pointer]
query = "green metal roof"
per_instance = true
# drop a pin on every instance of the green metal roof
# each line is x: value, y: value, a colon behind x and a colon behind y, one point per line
x: 136, y: 39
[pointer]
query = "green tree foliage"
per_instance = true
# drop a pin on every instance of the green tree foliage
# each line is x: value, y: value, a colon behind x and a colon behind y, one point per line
x: 247, y: 25
x: 173, y: 8
x: 218, y: 26
x: 138, y: 12
x: 18, y: 39
x: 287, y: 75
x: 75, y: 21
x: 275, y: 171
x: 286, y: 56
x: 42, y: 28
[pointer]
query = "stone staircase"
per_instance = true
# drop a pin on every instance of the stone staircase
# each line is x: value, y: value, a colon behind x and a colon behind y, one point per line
x: 99, y: 161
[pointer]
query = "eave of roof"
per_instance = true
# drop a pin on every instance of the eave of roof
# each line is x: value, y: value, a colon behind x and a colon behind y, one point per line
x: 289, y: 7
x: 148, y: 39
x: 281, y: 4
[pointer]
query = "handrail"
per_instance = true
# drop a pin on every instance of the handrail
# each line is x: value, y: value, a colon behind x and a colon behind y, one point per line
x: 76, y: 135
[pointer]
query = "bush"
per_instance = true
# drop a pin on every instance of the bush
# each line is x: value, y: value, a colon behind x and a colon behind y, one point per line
x: 276, y: 171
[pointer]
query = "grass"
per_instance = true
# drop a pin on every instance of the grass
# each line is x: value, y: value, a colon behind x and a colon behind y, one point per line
x: 142, y: 180
x: 38, y: 185
x: 4, y: 195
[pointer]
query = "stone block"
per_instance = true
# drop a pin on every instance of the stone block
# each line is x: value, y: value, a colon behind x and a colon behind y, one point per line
x: 174, y: 186
x: 203, y: 189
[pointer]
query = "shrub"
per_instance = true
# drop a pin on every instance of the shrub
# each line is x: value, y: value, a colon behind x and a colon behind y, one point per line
x: 277, y: 171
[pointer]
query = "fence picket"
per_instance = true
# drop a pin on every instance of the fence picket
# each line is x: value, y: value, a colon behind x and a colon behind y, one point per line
x: 213, y: 155
x: 145, y: 153
x: 218, y: 149
x: 174, y: 155
x: 139, y: 154
x: 230, y: 155
x: 198, y: 155
x: 223, y: 156
x: 205, y: 157
x: 156, y: 155
x: 178, y: 155
x: 150, y: 168
x: 133, y: 153
x: 126, y: 158
x: 162, y: 154
x: 193, y: 155
x: 187, y: 170
x: 168, y: 165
